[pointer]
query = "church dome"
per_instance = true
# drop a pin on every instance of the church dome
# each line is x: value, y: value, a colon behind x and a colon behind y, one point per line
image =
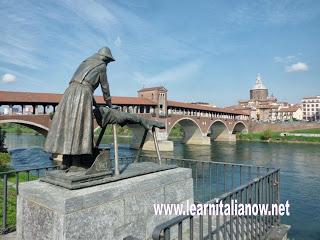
x: 259, y: 84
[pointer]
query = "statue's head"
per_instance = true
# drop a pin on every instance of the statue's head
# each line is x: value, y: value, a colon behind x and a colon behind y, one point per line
x: 106, y: 55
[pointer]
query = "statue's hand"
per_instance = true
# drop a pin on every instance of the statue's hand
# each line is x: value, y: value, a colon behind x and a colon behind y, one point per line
x: 109, y: 104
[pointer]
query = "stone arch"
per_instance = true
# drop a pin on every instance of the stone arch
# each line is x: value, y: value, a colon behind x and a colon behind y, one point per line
x: 192, y: 131
x: 239, y: 127
x: 219, y: 131
x: 35, y: 126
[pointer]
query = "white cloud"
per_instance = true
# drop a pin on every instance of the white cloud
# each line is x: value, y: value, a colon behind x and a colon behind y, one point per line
x: 8, y: 78
x: 297, y: 67
x: 288, y: 59
x: 118, y: 42
x: 180, y: 72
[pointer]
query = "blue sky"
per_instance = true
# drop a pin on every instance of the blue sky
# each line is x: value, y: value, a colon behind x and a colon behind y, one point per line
x: 200, y: 50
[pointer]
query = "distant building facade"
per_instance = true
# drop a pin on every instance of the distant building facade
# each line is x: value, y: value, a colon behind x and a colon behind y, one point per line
x: 311, y: 108
x: 291, y: 113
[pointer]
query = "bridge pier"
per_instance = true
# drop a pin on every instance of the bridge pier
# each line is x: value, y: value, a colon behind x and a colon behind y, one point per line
x: 196, y: 139
x: 226, y: 137
x: 137, y: 134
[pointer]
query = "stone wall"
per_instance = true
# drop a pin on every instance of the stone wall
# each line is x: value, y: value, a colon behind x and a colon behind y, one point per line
x: 282, y: 127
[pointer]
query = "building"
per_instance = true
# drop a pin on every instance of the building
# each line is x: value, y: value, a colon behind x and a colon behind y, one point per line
x: 311, y: 108
x: 157, y: 95
x: 290, y: 113
x: 262, y: 107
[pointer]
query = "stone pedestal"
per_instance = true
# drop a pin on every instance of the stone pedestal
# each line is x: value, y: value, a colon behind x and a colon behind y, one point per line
x: 110, y: 211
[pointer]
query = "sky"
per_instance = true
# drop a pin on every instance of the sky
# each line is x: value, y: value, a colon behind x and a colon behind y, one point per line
x: 209, y: 51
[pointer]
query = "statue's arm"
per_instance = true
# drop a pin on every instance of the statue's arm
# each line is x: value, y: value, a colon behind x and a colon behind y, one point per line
x: 105, y: 87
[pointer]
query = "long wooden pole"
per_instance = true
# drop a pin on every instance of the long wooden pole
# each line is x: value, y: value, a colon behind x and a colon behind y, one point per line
x: 155, y: 140
x: 141, y: 145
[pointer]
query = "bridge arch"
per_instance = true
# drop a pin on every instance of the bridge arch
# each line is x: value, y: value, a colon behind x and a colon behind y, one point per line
x: 35, y: 126
x: 239, y: 127
x: 218, y: 131
x: 192, y: 131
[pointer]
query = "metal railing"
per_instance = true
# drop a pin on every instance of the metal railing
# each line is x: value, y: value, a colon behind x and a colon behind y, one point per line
x: 9, y: 182
x: 243, y: 183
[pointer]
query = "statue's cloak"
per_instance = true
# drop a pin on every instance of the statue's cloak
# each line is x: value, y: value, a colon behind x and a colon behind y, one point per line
x: 71, y: 130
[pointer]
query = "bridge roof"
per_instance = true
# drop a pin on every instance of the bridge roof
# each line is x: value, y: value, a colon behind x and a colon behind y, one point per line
x: 204, y: 108
x: 29, y: 98
x: 54, y: 98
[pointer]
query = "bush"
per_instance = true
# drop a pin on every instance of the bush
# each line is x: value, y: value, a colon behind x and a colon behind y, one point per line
x: 4, y: 160
x: 266, y: 135
x: 2, y: 138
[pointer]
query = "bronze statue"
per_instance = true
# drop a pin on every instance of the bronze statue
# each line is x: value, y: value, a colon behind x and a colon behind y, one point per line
x: 71, y: 130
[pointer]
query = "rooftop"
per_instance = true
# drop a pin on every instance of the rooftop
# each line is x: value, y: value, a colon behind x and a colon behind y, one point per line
x: 203, y: 107
x: 312, y: 97
x: 161, y: 88
x: 54, y: 98
x: 290, y: 109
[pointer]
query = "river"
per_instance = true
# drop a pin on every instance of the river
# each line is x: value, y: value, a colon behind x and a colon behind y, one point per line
x: 299, y: 164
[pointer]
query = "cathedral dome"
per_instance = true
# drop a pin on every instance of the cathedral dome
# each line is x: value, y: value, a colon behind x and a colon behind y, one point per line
x: 258, y: 84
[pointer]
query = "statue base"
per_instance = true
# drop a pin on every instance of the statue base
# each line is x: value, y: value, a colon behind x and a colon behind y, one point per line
x: 79, y: 179
x: 112, y: 211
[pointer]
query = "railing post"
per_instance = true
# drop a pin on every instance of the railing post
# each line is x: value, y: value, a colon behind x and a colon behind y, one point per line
x: 5, y: 202
x: 218, y: 226
x: 191, y: 228
x: 200, y: 227
x: 231, y: 219
x: 180, y: 231
x: 17, y: 182
x: 167, y: 234
x: 225, y: 177
x: 278, y: 193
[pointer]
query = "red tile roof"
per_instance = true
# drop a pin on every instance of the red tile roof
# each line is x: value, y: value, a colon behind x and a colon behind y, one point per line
x: 290, y: 109
x: 54, y: 98
x: 29, y: 98
x: 203, y: 107
x: 116, y: 100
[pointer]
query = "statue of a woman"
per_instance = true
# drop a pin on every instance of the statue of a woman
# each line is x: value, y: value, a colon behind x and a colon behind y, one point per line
x: 71, y: 130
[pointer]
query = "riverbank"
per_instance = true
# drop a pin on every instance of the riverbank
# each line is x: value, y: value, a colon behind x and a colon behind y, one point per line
x: 269, y: 136
x: 12, y: 128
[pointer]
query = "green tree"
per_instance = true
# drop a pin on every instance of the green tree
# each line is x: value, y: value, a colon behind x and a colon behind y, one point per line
x: 2, y: 138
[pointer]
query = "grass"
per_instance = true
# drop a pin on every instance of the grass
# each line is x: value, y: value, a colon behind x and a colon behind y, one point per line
x: 12, y: 193
x: 121, y: 131
x: 268, y: 135
x: 17, y: 129
x: 12, y: 198
x: 311, y: 131
x: 11, y: 209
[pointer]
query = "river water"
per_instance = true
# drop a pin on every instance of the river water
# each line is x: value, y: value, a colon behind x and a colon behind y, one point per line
x: 299, y: 164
